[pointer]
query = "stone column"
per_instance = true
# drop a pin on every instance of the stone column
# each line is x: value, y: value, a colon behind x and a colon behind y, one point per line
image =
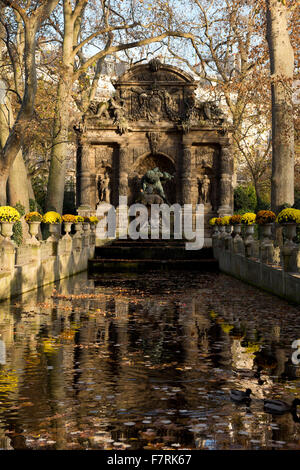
x: 86, y: 179
x: 123, y: 171
x: 226, y: 190
x: 186, y: 177
x: 122, y: 216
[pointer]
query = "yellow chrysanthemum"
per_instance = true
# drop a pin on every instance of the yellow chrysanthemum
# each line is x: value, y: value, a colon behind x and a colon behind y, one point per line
x: 226, y: 220
x: 288, y: 215
x: 248, y: 218
x: 9, y: 214
x: 33, y: 217
x: 52, y: 217
x: 69, y: 218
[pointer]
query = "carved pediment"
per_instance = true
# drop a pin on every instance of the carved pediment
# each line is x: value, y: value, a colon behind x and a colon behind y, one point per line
x: 154, y: 71
x: 156, y: 92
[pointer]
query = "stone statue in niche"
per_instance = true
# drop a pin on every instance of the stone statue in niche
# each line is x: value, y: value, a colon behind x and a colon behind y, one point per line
x: 103, y: 188
x: 204, y: 189
x: 152, y: 183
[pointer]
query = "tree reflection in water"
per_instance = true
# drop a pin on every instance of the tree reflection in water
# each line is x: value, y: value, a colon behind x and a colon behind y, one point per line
x: 131, y: 362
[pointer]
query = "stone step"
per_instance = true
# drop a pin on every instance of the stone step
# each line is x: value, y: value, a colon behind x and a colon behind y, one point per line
x: 151, y: 252
x: 134, y: 265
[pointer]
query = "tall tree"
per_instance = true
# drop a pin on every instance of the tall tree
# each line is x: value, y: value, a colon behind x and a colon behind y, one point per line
x: 229, y: 56
x: 33, y: 14
x: 118, y: 26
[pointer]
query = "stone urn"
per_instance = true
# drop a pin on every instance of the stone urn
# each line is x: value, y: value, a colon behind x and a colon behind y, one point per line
x: 266, y: 232
x: 86, y: 227
x: 289, y: 247
x: 93, y: 227
x: 215, y: 233
x: 7, y: 229
x: 54, y: 230
x: 78, y: 230
x: 290, y: 229
x: 34, y: 230
x: 228, y: 238
x: 249, y: 240
x: 222, y: 231
x: 237, y: 230
x: 266, y: 250
x: 237, y: 242
x: 67, y: 229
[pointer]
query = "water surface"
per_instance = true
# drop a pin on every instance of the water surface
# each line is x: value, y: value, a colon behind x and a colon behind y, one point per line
x: 146, y: 362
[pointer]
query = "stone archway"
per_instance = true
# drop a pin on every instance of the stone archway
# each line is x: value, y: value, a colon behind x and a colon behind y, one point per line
x: 148, y: 162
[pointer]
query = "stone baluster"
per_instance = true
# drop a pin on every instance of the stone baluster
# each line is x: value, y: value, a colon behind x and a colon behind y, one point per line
x: 226, y: 191
x: 7, y: 255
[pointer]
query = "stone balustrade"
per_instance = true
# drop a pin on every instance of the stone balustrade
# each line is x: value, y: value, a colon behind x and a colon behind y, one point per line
x: 36, y: 263
x: 259, y: 261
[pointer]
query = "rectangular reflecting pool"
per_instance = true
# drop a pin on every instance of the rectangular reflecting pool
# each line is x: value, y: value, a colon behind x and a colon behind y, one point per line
x: 147, y: 361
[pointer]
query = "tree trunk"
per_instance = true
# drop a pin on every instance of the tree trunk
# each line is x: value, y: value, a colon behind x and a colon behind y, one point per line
x: 18, y: 183
x: 57, y: 171
x: 17, y: 189
x: 282, y: 67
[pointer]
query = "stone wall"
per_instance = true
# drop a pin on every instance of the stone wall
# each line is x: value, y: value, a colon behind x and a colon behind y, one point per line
x: 274, y: 269
x: 36, y: 264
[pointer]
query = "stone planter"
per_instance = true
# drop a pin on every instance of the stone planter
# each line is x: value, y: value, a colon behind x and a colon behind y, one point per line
x: 266, y: 245
x: 34, y: 230
x: 78, y: 230
x: 249, y: 240
x: 215, y: 233
x: 237, y: 229
x: 228, y: 237
x: 290, y: 233
x: 222, y: 231
x: 54, y: 230
x: 289, y: 247
x: 7, y: 230
x: 93, y: 228
x: 266, y: 232
x: 238, y: 243
x: 86, y: 227
x: 67, y: 229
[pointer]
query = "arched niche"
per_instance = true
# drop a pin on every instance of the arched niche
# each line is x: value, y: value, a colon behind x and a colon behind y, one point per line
x: 148, y: 162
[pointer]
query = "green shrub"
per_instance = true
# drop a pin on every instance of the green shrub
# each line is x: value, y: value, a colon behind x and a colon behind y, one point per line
x: 17, y: 228
x: 244, y: 199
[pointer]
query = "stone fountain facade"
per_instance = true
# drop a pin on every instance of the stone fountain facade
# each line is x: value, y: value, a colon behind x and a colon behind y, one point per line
x: 154, y: 121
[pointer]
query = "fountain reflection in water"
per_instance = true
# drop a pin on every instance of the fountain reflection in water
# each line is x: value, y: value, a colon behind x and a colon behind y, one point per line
x: 131, y: 362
